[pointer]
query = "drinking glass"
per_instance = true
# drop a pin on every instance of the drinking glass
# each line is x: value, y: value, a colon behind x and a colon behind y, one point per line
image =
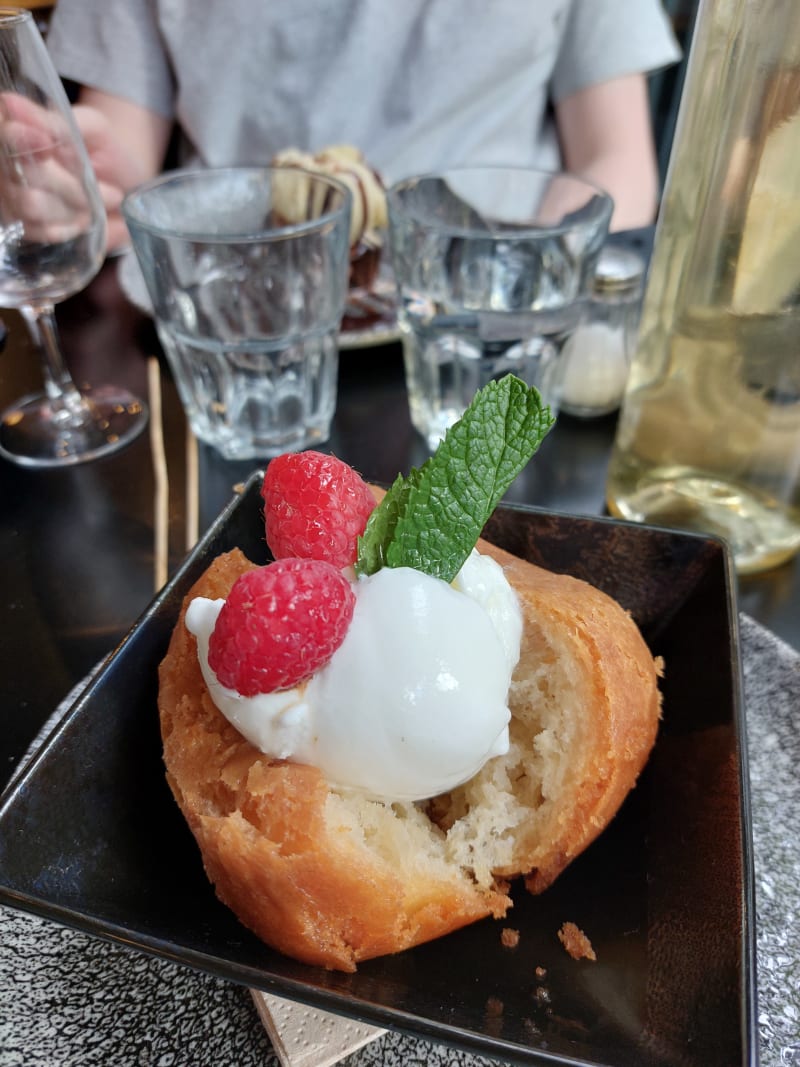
x: 246, y: 269
x: 52, y: 243
x: 494, y: 268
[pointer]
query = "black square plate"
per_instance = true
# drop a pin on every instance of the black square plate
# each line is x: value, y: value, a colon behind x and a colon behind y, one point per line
x: 90, y: 837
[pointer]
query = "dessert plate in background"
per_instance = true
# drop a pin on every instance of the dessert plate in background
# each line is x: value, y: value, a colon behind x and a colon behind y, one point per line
x: 91, y: 837
x: 370, y: 317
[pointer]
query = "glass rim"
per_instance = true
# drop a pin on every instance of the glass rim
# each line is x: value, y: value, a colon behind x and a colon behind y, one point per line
x: 272, y: 233
x: 605, y: 200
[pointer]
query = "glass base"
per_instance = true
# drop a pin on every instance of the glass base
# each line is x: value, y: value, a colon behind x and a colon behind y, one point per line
x: 760, y: 533
x: 35, y: 432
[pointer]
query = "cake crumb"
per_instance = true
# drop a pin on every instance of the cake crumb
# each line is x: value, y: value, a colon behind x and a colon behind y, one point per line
x: 509, y: 937
x: 576, y: 942
x: 494, y: 1007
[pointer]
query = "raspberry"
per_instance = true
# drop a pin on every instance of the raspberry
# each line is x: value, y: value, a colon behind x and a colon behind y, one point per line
x: 279, y: 625
x: 315, y: 507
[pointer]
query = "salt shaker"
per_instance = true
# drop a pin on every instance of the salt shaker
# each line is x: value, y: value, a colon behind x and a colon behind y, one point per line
x: 597, y: 356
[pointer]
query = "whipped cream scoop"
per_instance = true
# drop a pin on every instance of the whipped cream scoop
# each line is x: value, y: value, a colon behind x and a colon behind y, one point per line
x: 414, y: 701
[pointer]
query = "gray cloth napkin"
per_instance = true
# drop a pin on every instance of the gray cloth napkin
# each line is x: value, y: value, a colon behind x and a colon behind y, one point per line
x: 69, y: 1000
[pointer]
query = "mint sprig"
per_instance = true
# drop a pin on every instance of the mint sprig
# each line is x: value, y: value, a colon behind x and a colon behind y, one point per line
x: 432, y: 519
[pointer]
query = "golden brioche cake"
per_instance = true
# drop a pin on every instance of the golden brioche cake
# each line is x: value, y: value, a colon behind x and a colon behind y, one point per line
x: 372, y: 736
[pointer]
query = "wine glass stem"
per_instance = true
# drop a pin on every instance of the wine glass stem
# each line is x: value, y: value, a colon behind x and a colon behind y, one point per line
x: 61, y: 390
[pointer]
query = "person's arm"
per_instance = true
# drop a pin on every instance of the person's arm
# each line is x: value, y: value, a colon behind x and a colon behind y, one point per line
x: 126, y: 144
x: 606, y: 136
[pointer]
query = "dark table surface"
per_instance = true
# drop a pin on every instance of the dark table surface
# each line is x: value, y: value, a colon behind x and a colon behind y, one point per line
x: 81, y: 549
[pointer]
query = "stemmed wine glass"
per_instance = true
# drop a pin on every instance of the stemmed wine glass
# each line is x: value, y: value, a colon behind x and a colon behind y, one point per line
x: 52, y: 243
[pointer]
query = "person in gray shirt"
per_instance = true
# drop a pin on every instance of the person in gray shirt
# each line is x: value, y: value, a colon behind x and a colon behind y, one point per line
x: 415, y: 84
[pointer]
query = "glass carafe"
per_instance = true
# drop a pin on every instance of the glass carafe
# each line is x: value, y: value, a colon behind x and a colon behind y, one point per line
x: 709, y: 432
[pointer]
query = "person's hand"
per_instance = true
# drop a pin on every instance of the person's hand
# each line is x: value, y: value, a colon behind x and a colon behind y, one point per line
x: 112, y: 167
x: 39, y: 170
x: 126, y: 144
x: 40, y: 173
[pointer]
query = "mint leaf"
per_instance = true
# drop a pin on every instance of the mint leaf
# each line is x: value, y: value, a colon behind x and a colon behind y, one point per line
x: 382, y: 524
x: 431, y: 520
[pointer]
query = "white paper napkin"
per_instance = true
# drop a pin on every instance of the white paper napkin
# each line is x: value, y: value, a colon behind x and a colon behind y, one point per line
x: 309, y: 1037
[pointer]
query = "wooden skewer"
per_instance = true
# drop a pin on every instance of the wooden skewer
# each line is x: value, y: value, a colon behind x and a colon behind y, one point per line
x: 192, y: 491
x: 161, y: 497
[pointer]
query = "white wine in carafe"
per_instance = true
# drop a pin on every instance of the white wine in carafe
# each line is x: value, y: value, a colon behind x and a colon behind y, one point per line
x: 709, y: 433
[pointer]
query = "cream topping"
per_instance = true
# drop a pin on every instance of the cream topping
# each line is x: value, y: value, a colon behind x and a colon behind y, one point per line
x: 413, y: 702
